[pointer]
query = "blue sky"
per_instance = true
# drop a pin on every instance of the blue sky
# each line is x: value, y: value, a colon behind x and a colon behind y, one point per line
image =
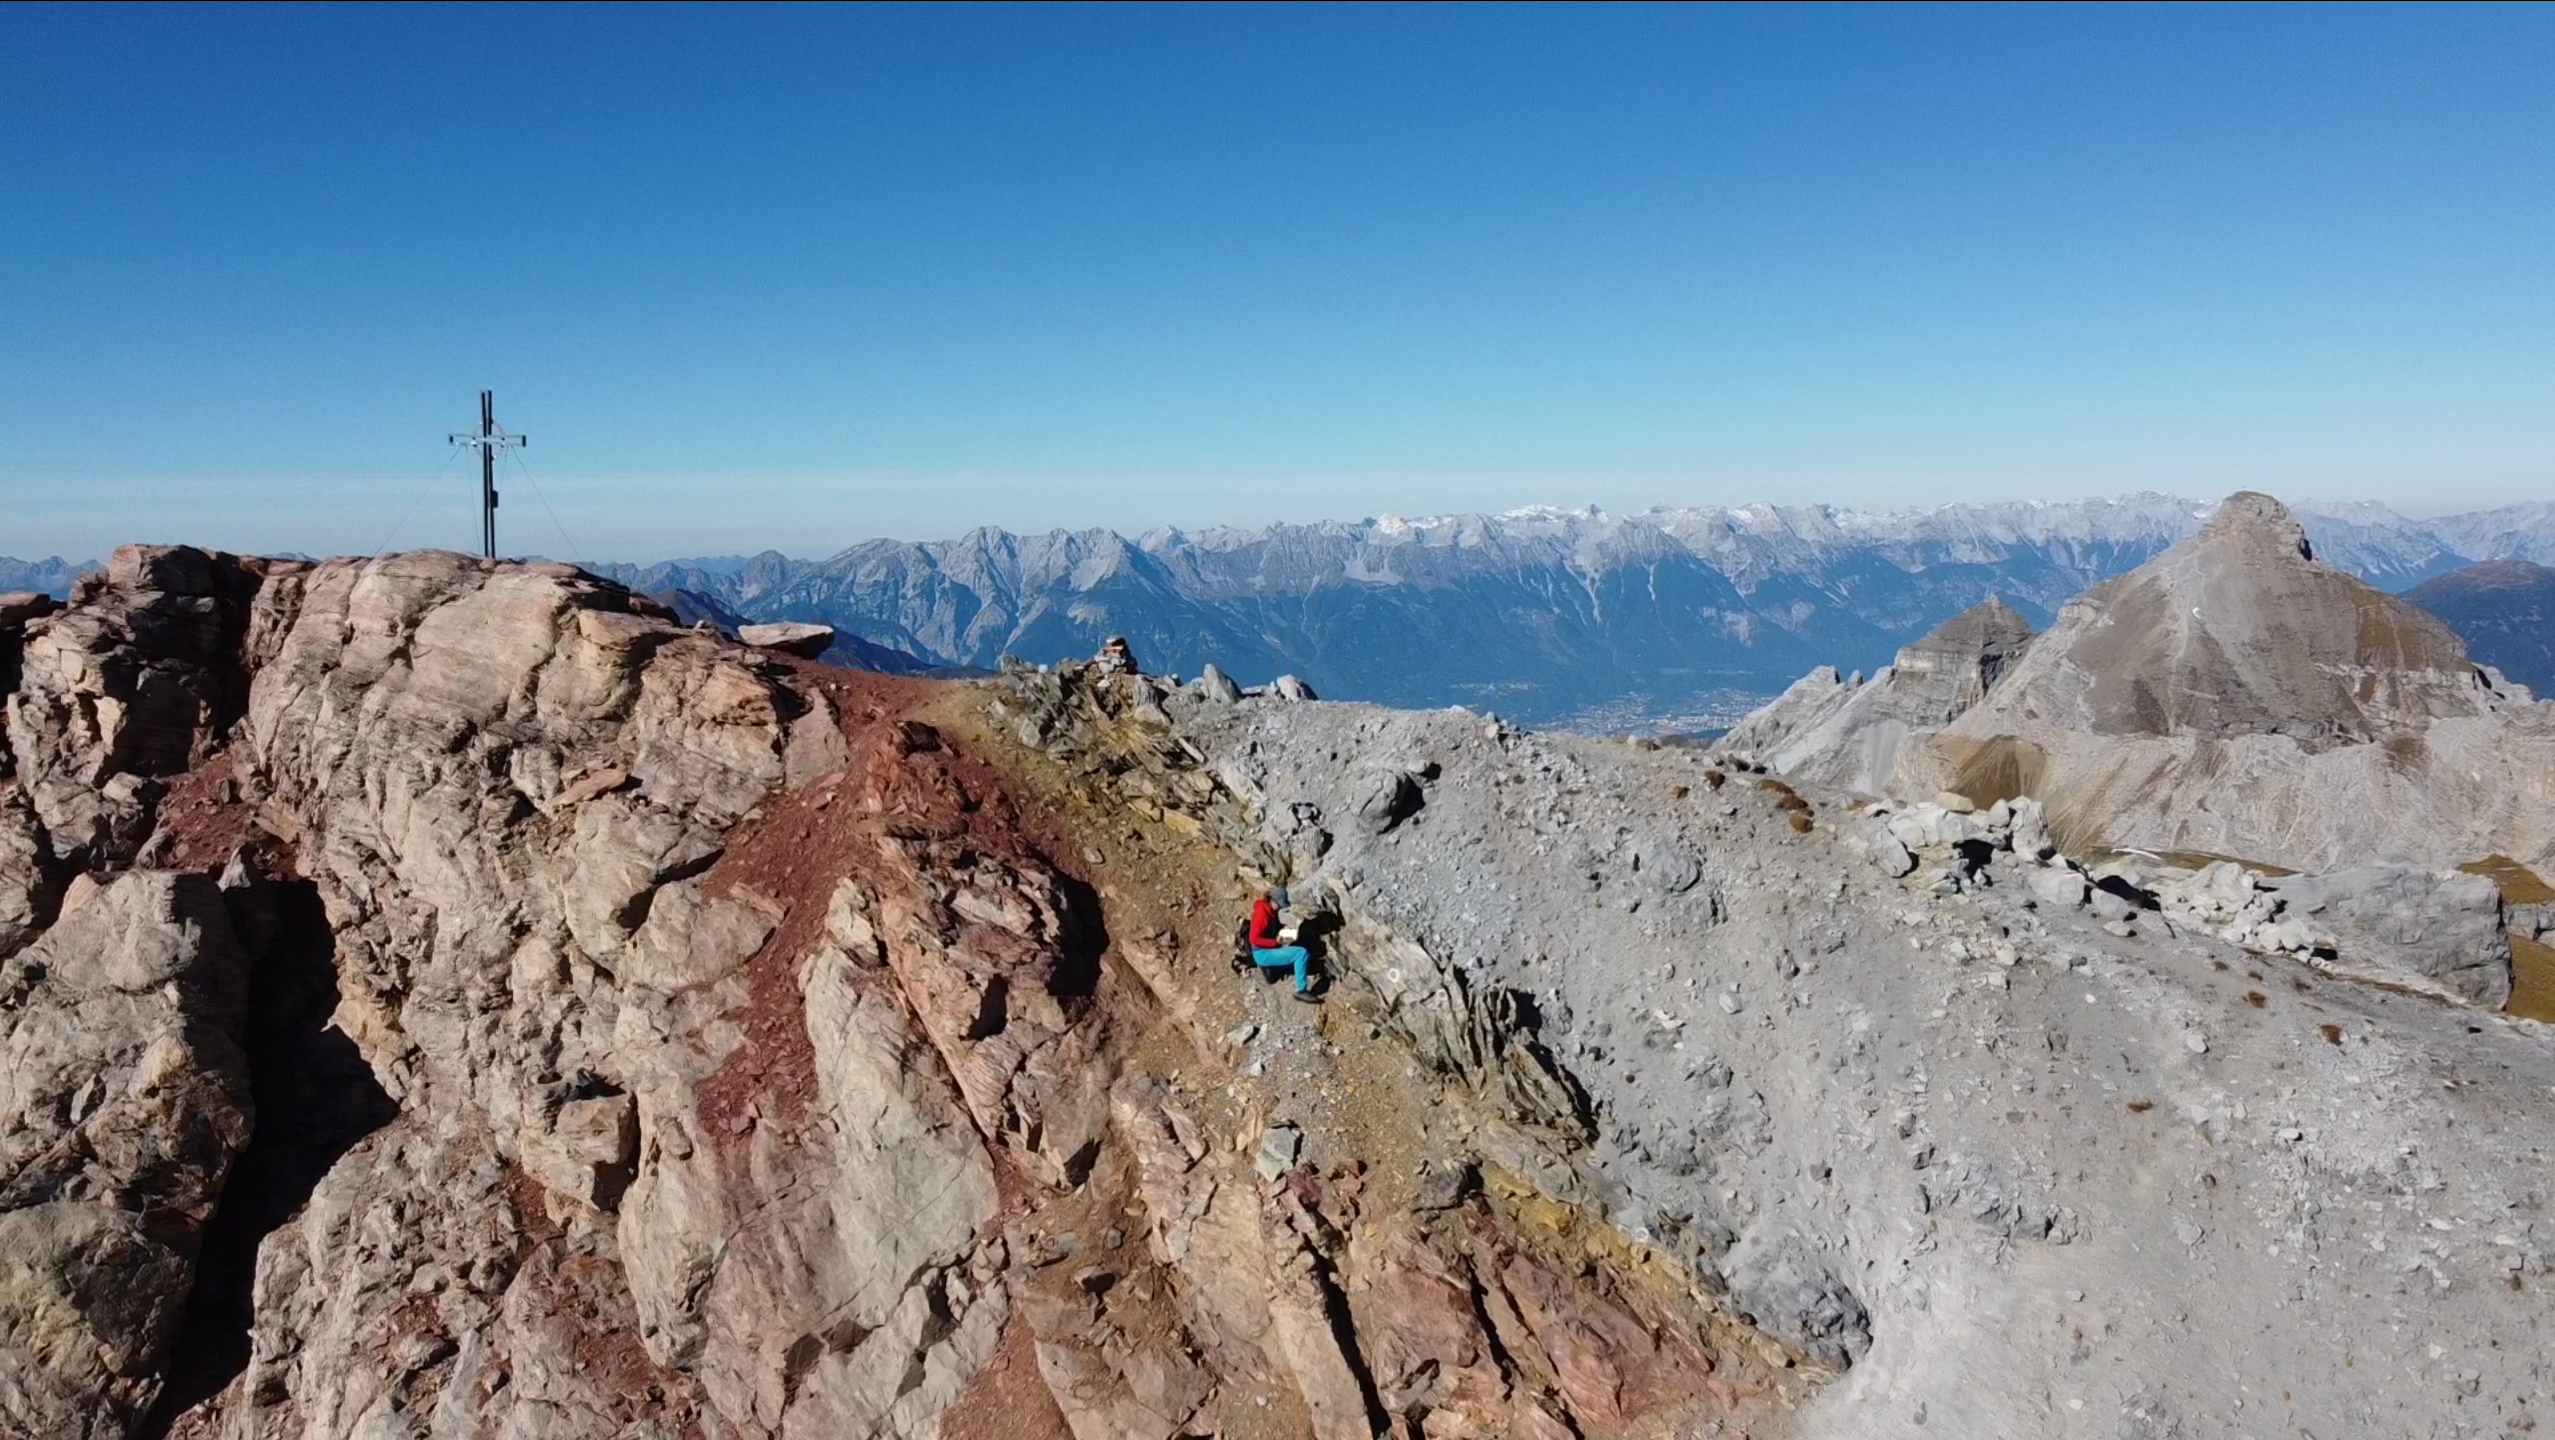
x: 791, y: 277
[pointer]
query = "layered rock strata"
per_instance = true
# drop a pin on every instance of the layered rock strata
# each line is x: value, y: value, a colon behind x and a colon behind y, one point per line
x: 1847, y: 733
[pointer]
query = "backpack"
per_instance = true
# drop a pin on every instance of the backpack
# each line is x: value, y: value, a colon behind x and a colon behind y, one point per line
x: 1244, y: 962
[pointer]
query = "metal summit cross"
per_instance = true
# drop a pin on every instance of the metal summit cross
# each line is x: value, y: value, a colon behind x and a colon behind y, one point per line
x: 491, y: 438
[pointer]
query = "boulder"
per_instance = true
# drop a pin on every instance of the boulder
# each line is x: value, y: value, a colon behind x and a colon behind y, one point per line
x: 2434, y: 930
x: 1216, y: 686
x: 1667, y: 863
x: 20, y: 606
x: 1891, y: 855
x: 2029, y: 833
x: 2061, y: 885
x: 790, y: 637
x: 1281, y: 1146
x: 1780, y: 1281
x: 1876, y: 840
x: 1930, y: 826
x: 1391, y: 797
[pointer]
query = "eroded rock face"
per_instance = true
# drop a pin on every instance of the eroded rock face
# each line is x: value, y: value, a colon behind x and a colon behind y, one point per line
x: 507, y: 786
x: 1849, y: 734
x: 664, y: 1038
x: 131, y: 684
x: 514, y: 794
x: 124, y: 1097
x: 2394, y: 922
x: 26, y: 889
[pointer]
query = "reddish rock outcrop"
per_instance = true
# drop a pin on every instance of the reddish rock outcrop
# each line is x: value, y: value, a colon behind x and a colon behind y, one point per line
x: 663, y: 1038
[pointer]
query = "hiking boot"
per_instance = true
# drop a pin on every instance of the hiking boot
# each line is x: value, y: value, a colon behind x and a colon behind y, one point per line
x: 1308, y: 997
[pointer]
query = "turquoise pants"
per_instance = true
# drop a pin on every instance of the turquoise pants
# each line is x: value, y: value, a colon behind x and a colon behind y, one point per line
x: 1282, y: 957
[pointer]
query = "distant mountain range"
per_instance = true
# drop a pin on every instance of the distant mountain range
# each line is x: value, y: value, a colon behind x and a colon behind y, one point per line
x: 1673, y: 616
x: 53, y: 575
x: 1552, y: 616
x: 2505, y: 611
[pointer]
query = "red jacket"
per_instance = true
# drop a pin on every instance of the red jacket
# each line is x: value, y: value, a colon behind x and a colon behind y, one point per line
x: 1264, y: 925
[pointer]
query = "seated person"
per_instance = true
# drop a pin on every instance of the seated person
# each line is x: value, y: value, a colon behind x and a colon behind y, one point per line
x: 1275, y: 948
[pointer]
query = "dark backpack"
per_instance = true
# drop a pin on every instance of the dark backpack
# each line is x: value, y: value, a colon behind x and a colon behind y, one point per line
x: 1244, y: 962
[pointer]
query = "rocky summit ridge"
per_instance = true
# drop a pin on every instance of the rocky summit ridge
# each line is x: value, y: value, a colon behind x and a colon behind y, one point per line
x: 454, y: 998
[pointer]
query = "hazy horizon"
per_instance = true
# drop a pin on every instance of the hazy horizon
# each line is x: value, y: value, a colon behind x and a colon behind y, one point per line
x: 455, y: 517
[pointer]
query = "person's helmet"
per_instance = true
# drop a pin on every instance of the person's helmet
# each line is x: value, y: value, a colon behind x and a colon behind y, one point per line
x: 1277, y: 897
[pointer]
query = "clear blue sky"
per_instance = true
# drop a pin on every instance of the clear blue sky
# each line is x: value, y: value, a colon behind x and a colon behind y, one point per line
x: 791, y: 277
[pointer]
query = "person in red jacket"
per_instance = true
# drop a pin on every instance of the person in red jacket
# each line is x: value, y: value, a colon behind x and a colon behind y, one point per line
x: 1272, y: 947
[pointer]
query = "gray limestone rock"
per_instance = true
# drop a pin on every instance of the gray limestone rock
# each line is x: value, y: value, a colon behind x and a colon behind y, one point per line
x: 1849, y: 735
x: 1892, y: 855
x: 1281, y: 1146
x: 2061, y: 885
x: 1391, y: 797
x: 1814, y: 1084
x: 1776, y: 1281
x: 2395, y: 922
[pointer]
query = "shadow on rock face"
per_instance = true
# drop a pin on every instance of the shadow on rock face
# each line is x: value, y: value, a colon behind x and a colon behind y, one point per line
x: 1086, y: 935
x: 2136, y: 898
x: 315, y: 1099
